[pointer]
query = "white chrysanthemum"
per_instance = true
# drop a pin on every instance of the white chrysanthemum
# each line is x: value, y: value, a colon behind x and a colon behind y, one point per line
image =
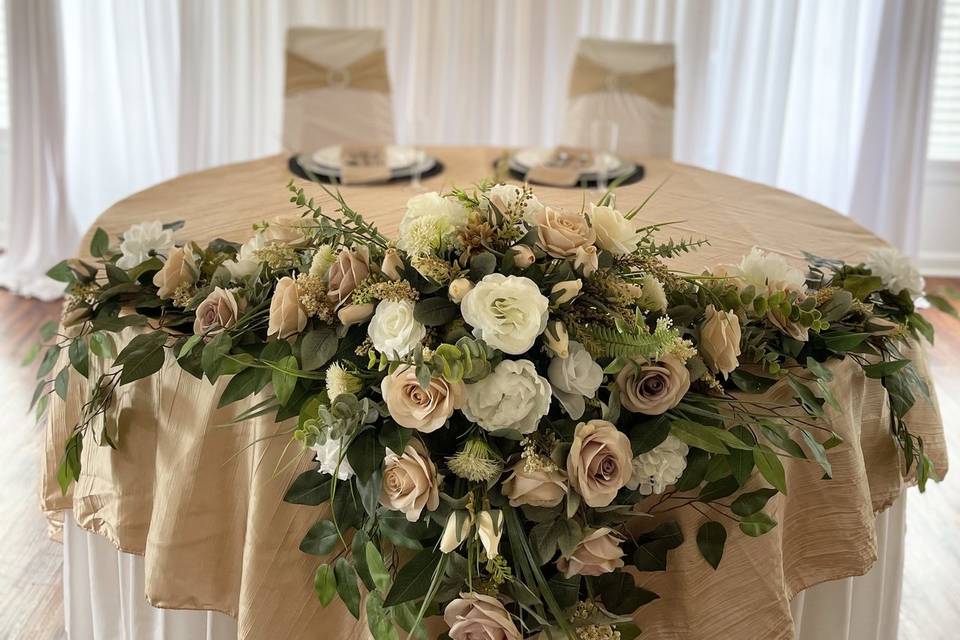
x: 769, y: 272
x: 659, y: 468
x: 429, y: 223
x: 513, y: 396
x: 323, y: 259
x: 143, y: 240
x: 615, y: 233
x: 247, y: 262
x: 506, y: 312
x: 896, y: 271
x: 652, y: 295
x: 339, y: 381
x: 328, y: 454
x: 506, y: 198
x: 393, y: 329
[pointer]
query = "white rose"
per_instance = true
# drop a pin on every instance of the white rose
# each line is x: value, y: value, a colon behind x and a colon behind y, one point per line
x: 574, y: 377
x: 659, y: 468
x: 429, y: 222
x: 328, y: 455
x: 506, y: 197
x: 769, y: 272
x: 512, y: 397
x: 506, y: 312
x: 247, y: 262
x: 720, y: 340
x: 896, y: 271
x: 141, y: 241
x: 615, y: 233
x: 393, y: 329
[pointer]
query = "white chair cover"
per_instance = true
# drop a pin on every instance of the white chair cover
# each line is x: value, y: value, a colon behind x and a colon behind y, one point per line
x: 103, y: 595
x: 630, y: 83
x: 337, y: 89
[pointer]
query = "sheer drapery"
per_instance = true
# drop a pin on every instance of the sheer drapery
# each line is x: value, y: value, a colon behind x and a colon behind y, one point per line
x: 826, y: 99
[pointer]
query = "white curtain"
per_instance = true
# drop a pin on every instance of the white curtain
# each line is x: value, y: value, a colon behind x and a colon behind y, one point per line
x: 826, y: 99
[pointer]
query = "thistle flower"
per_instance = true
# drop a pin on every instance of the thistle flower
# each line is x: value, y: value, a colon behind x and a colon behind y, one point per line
x: 323, y: 259
x: 339, y: 381
x: 476, y: 461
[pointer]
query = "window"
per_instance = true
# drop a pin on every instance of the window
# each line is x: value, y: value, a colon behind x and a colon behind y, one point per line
x: 944, y: 143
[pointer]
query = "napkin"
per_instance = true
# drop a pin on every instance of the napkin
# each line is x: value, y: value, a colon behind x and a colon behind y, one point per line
x: 363, y: 164
x: 563, y: 168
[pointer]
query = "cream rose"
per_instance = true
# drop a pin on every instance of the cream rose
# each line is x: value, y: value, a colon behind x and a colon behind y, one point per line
x: 410, y: 481
x: 393, y: 329
x: 413, y: 407
x: 350, y: 269
x: 513, y: 396
x: 474, y: 616
x: 614, y: 232
x: 535, y: 488
x: 506, y: 312
x: 597, y: 553
x: 218, y: 311
x: 287, y: 316
x: 573, y: 378
x: 599, y: 462
x: 179, y: 269
x: 562, y: 233
x: 653, y: 388
x: 720, y: 340
x: 292, y: 230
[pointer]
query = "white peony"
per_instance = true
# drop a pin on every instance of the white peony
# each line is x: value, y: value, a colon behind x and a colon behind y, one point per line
x: 506, y: 198
x: 141, y: 241
x: 247, y: 262
x: 574, y: 377
x: 512, y: 397
x: 615, y: 233
x: 430, y: 223
x: 896, y: 271
x: 657, y: 469
x: 328, y: 454
x: 506, y: 312
x: 769, y: 272
x: 393, y: 329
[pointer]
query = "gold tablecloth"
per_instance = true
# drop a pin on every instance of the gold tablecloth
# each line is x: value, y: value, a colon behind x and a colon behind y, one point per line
x: 202, y: 503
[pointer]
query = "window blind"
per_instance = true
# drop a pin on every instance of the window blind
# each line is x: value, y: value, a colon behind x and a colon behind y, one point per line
x: 944, y: 143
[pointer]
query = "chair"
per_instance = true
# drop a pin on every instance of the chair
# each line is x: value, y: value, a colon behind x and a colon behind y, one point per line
x: 337, y: 89
x: 630, y: 83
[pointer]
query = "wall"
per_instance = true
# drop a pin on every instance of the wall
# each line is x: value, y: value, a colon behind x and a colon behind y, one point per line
x: 940, y: 227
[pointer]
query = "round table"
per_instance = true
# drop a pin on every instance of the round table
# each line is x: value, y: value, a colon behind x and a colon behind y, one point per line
x: 216, y: 536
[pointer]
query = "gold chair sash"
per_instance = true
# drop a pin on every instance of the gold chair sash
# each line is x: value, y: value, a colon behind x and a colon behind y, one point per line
x: 369, y: 73
x: 590, y: 76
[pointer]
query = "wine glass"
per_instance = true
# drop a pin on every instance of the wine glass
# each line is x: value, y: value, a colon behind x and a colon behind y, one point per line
x: 604, y: 140
x: 414, y: 126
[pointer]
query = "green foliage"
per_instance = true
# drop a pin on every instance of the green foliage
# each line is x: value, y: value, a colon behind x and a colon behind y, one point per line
x: 711, y: 538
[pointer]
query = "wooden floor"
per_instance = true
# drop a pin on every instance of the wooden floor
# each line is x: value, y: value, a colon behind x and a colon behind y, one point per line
x: 31, y: 606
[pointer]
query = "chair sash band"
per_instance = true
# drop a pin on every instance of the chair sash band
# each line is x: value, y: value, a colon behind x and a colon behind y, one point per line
x: 657, y: 85
x: 369, y: 73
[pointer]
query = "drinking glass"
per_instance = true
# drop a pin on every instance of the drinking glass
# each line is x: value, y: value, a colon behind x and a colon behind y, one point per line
x: 604, y: 139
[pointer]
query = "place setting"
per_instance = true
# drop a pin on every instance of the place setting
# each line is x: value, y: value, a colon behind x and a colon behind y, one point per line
x: 365, y: 164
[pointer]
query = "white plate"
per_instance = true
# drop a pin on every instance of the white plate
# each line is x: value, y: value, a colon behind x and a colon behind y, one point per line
x: 397, y: 157
x: 525, y: 159
x: 309, y: 165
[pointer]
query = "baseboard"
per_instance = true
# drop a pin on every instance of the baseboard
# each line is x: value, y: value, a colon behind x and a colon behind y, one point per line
x: 939, y: 263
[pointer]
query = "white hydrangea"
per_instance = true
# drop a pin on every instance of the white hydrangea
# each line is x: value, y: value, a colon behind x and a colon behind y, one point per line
x: 659, y: 468
x: 769, y: 272
x: 141, y: 241
x: 430, y: 223
x: 328, y: 454
x: 896, y: 271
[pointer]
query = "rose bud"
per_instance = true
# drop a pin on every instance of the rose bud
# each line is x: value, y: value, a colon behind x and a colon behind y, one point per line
x: 355, y: 314
x: 458, y: 289
x: 522, y: 256
x: 564, y: 292
x: 392, y: 265
x: 586, y: 260
x: 557, y: 339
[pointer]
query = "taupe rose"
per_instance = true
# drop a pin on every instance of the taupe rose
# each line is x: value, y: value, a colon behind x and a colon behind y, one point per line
x: 653, y: 388
x: 410, y: 482
x: 562, y: 233
x: 350, y: 269
x: 287, y: 316
x: 218, y: 311
x: 535, y: 488
x: 720, y: 340
x: 599, y: 463
x: 180, y: 268
x: 597, y: 553
x: 413, y: 407
x: 474, y: 616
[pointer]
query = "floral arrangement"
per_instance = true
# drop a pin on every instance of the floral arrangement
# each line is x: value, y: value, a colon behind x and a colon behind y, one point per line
x: 494, y: 399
